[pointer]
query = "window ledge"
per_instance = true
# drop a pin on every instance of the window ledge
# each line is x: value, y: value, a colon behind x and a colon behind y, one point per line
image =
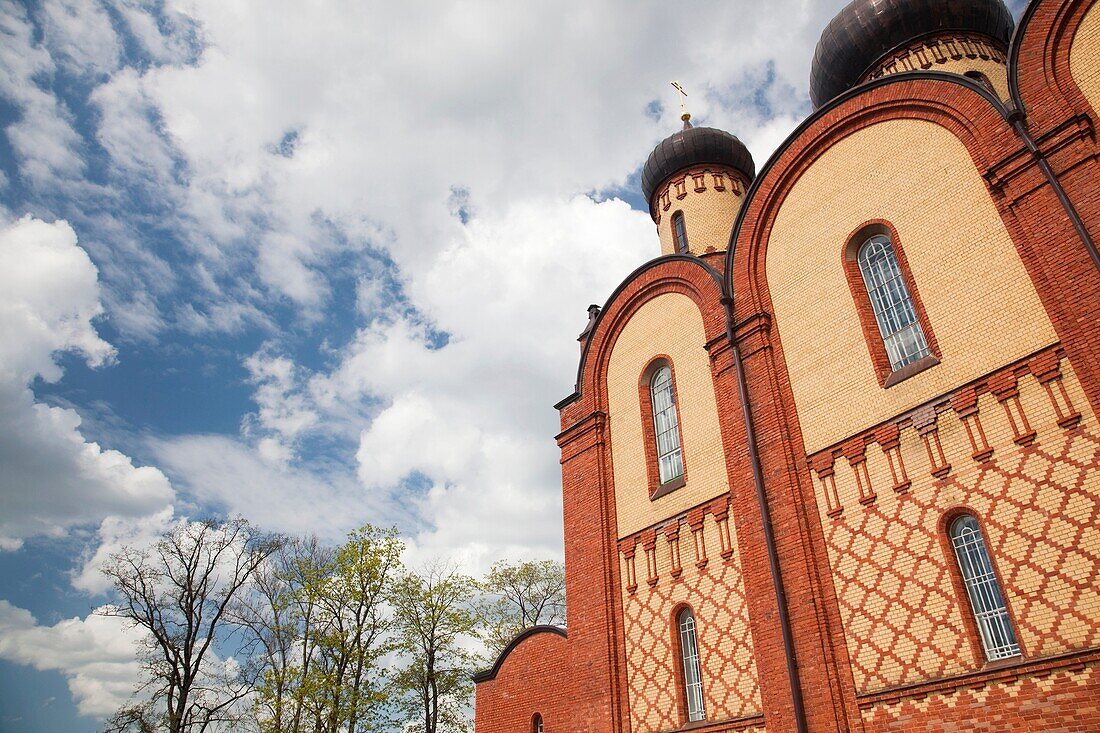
x: 667, y: 488
x: 910, y: 370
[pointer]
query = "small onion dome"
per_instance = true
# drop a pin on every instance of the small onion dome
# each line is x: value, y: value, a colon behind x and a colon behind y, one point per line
x: 865, y: 32
x: 694, y: 146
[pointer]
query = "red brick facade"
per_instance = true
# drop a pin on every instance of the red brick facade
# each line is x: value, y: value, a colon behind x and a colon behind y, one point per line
x: 884, y: 638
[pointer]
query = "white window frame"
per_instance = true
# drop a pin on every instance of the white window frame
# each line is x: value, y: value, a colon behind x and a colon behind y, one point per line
x: 666, y: 424
x: 982, y: 588
x: 891, y: 302
x: 693, y: 675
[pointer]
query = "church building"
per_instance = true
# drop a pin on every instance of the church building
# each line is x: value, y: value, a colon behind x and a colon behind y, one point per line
x: 832, y: 462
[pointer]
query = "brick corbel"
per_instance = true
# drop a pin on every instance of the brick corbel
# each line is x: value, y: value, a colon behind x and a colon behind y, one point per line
x: 924, y: 420
x: 888, y: 437
x: 856, y: 453
x: 672, y: 534
x: 631, y: 575
x: 965, y: 404
x: 822, y: 465
x: 722, y: 518
x: 1046, y: 369
x: 649, y: 547
x: 1005, y: 387
x: 696, y: 519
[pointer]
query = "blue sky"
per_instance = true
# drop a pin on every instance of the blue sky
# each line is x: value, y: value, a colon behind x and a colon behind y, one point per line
x: 319, y: 265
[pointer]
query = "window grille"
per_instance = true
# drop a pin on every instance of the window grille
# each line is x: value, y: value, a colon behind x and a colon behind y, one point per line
x: 679, y: 232
x: 990, y: 612
x: 666, y: 425
x: 693, y: 679
x: 892, y: 303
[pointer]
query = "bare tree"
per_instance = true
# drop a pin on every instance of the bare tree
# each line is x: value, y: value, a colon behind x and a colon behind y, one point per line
x: 518, y: 596
x: 178, y: 593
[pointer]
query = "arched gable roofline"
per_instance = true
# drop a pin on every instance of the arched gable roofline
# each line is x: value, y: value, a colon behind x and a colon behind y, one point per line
x: 491, y: 673
x: 629, y: 295
x: 920, y: 95
x: 1048, y: 27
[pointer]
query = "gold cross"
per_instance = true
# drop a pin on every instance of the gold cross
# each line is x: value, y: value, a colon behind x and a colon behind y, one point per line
x: 683, y: 95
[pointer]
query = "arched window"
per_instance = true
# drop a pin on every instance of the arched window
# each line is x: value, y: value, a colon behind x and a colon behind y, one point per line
x: 666, y: 425
x: 536, y: 724
x: 986, y: 600
x: 679, y: 232
x: 892, y: 302
x: 693, y: 678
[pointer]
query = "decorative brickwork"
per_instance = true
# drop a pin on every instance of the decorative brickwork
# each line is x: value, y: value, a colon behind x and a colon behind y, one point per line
x: 709, y: 198
x: 1039, y: 503
x: 683, y: 573
x: 954, y: 53
x: 1062, y: 700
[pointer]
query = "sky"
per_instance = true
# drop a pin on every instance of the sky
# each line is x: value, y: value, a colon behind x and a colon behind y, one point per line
x: 318, y: 263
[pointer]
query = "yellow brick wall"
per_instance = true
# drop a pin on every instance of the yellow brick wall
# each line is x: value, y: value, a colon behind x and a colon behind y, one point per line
x: 981, y: 304
x: 669, y: 324
x: 1084, y: 56
x: 1037, y: 506
x: 716, y: 594
x: 708, y: 214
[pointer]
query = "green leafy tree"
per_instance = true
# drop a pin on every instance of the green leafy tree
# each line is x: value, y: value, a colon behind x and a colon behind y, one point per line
x: 436, y: 625
x: 518, y: 596
x: 279, y: 615
x: 321, y: 629
x: 349, y: 687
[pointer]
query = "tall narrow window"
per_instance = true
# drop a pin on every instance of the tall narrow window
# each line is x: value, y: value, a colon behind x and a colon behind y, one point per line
x: 986, y: 600
x: 536, y: 724
x: 892, y: 303
x: 679, y: 232
x: 693, y: 678
x: 666, y: 425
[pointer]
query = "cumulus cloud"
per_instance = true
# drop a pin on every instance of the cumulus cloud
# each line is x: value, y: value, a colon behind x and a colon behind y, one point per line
x: 53, y: 478
x: 97, y: 655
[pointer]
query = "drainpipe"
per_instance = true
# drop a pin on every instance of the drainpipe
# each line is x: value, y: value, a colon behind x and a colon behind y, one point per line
x: 1017, y: 119
x: 766, y: 522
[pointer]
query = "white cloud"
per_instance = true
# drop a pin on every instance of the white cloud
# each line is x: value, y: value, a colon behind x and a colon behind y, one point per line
x: 53, y: 478
x: 113, y: 534
x: 42, y: 137
x: 97, y: 655
x: 80, y: 33
x: 227, y: 475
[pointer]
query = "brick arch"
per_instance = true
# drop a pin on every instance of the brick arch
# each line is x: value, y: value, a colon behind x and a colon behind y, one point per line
x: 1038, y: 61
x: 958, y: 104
x: 683, y: 274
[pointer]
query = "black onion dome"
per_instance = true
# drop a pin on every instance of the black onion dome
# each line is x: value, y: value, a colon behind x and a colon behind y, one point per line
x: 694, y: 146
x: 865, y: 31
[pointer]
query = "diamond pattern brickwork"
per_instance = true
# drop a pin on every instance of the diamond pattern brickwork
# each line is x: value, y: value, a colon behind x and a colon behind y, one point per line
x: 1031, y: 703
x: 1038, y: 500
x: 716, y: 595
